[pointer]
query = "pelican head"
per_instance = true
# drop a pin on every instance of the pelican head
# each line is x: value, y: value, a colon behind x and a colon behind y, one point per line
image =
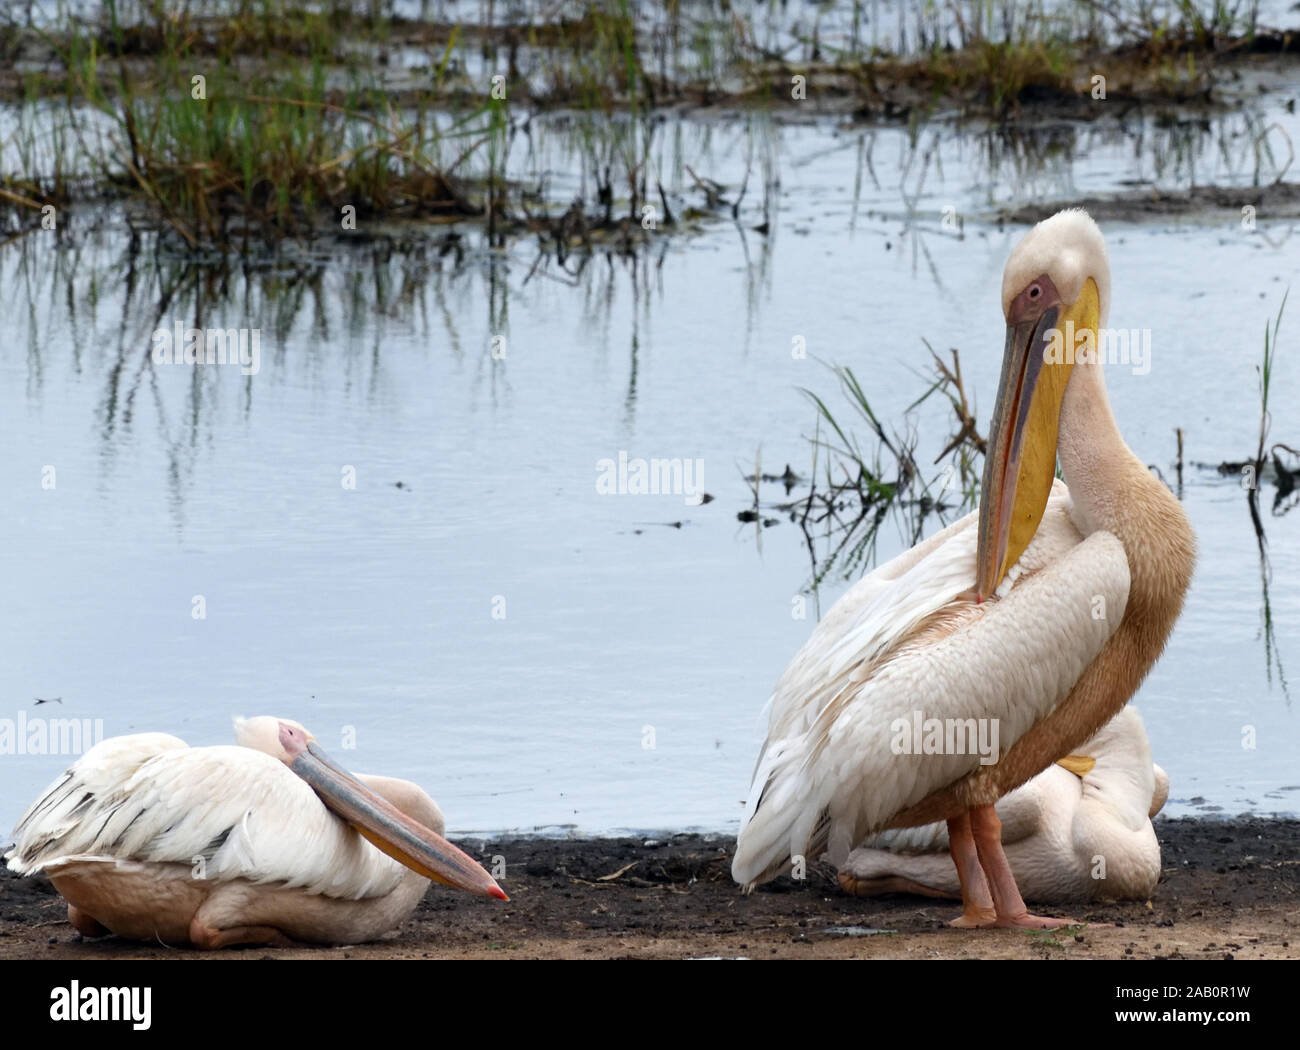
x: 1055, y: 292
x: 389, y: 829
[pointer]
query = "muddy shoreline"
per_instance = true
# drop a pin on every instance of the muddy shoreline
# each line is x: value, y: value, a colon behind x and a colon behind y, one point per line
x: 1230, y: 889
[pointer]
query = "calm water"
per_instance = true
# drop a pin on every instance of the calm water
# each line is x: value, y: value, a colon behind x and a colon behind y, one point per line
x: 493, y: 627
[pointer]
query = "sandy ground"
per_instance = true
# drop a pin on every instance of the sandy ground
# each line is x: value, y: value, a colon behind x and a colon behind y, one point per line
x: 1230, y: 888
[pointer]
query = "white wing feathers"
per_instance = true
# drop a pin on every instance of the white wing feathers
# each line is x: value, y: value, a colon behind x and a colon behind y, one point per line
x: 228, y: 812
x: 827, y: 776
x: 60, y: 809
x: 869, y: 619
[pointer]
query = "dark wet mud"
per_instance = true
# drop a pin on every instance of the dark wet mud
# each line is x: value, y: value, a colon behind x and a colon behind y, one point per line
x: 1230, y: 888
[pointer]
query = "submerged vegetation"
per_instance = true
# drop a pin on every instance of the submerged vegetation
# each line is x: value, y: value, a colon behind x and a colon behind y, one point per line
x: 855, y: 486
x: 231, y: 122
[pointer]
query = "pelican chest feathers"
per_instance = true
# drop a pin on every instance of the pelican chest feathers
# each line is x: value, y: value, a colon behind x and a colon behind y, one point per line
x: 1027, y: 624
x: 265, y: 843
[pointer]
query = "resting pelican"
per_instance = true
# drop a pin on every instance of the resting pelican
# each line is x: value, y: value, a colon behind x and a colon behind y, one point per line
x: 1080, y: 830
x: 1036, y: 617
x: 153, y: 840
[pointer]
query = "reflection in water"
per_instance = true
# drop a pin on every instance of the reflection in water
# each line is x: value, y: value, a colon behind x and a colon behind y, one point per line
x: 1282, y: 480
x: 1272, y: 653
x: 335, y: 312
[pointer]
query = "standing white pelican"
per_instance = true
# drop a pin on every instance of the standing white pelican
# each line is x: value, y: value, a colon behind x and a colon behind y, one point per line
x: 153, y: 840
x: 1080, y: 830
x: 1075, y: 591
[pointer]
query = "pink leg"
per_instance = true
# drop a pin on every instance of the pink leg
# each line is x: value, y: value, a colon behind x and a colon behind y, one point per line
x: 1009, y: 907
x: 977, y: 903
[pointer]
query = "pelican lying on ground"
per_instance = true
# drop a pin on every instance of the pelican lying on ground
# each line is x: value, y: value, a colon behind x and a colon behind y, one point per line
x: 153, y: 840
x: 1080, y: 830
x: 1035, y: 618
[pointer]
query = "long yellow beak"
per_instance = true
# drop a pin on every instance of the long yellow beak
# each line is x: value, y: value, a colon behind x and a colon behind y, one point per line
x: 1021, y: 459
x: 389, y: 829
